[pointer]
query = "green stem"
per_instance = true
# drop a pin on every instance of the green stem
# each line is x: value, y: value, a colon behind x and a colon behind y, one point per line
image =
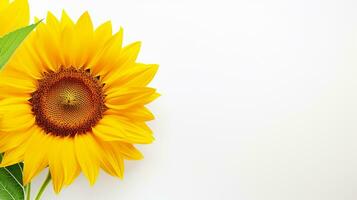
x: 43, y: 186
x: 28, y: 191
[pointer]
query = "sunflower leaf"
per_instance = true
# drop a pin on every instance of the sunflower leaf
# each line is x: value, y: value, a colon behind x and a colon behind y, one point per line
x: 10, y: 42
x: 11, y: 187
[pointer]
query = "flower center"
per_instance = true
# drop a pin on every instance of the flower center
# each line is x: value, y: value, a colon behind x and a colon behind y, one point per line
x: 68, y: 102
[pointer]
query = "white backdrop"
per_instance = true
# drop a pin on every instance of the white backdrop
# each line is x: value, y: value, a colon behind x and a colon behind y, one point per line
x: 259, y: 99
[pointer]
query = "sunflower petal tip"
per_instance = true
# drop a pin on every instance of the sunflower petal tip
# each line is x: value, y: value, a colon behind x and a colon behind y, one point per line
x: 91, y: 182
x: 155, y: 69
x: 120, y: 32
x: 139, y: 156
x: 49, y: 13
x: 85, y: 15
x: 26, y: 180
x: 85, y: 22
x: 150, y: 140
x: 64, y: 12
x: 92, y: 178
x: 57, y: 189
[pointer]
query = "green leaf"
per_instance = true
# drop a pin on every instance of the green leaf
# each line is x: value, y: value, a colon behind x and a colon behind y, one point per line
x: 11, y: 187
x: 10, y: 42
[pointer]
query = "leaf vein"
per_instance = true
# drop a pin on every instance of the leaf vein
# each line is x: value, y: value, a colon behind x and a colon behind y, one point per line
x: 13, y: 176
x: 7, y: 191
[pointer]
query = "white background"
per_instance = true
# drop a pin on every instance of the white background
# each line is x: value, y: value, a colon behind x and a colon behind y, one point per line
x: 259, y: 99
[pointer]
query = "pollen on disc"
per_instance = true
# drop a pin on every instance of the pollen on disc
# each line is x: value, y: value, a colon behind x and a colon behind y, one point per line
x: 69, y: 102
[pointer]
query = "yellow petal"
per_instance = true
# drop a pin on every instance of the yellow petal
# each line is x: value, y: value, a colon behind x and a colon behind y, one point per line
x: 112, y: 128
x: 88, y: 155
x: 112, y: 161
x: 47, y: 45
x: 15, y: 87
x: 55, y: 163
x: 44, y: 49
x: 141, y: 101
x: 13, y: 101
x: 66, y: 20
x: 26, y: 63
x: 100, y: 37
x: 53, y: 22
x: 120, y: 62
x: 67, y: 46
x: 137, y: 76
x: 15, y: 16
x: 14, y: 155
x: 127, y: 150
x: 83, y: 40
x: 18, y: 124
x: 11, y: 140
x: 15, y: 117
x: 128, y: 55
x: 70, y: 166
x: 84, y: 25
x: 102, y: 62
x: 62, y: 162
x: 3, y: 5
x: 136, y: 113
x: 129, y: 95
x: 14, y: 107
x: 35, y: 159
x: 102, y: 34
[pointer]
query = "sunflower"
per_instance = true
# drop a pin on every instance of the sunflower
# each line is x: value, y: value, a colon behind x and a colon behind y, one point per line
x: 13, y: 15
x: 73, y: 99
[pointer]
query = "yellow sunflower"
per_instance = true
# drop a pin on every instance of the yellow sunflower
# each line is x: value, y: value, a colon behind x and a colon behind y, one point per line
x: 73, y: 99
x: 13, y: 15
